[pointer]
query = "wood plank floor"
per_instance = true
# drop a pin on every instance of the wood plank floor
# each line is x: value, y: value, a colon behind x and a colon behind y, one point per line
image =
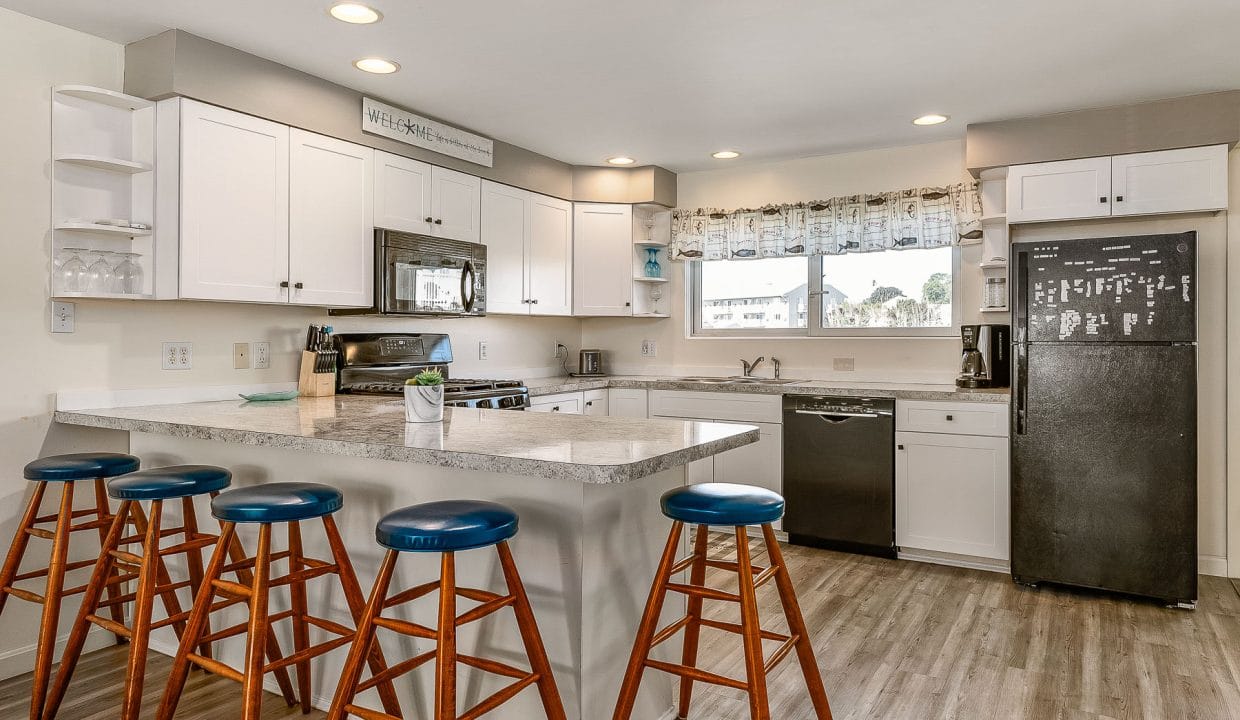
x: 895, y: 640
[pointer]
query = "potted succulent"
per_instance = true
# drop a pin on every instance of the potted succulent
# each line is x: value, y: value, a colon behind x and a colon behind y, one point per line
x: 424, y: 397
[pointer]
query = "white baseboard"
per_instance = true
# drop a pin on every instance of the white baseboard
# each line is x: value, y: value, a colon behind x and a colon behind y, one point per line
x: 1212, y: 565
x: 964, y: 561
x: 20, y: 660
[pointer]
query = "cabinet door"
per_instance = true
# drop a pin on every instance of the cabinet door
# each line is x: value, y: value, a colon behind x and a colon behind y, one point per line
x: 626, y: 402
x: 1059, y: 190
x: 550, y: 257
x: 1171, y: 181
x: 402, y: 193
x: 761, y: 463
x: 505, y: 232
x: 566, y: 403
x: 331, y: 222
x: 595, y: 402
x: 234, y: 205
x: 455, y: 201
x: 952, y: 494
x: 602, y: 259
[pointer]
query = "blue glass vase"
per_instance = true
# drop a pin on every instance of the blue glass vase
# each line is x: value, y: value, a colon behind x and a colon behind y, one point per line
x: 653, y: 269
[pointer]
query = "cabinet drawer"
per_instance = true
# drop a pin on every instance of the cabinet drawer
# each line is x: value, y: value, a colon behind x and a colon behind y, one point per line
x: 716, y: 406
x: 568, y: 403
x: 952, y: 418
x: 626, y: 402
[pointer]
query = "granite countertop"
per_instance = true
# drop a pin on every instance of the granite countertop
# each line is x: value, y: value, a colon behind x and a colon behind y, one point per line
x: 572, y: 447
x: 900, y: 391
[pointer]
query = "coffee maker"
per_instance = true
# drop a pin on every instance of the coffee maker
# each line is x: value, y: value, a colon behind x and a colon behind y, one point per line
x: 985, y: 362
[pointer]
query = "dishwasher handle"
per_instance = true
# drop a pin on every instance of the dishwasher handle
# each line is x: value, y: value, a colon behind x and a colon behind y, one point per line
x: 828, y: 415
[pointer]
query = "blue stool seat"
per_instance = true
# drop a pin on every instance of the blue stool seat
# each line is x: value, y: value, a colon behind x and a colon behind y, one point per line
x: 446, y: 526
x: 277, y: 502
x: 81, y: 466
x: 723, y: 504
x: 170, y: 482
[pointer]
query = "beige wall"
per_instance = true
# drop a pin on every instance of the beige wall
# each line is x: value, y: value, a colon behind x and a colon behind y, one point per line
x: 924, y: 360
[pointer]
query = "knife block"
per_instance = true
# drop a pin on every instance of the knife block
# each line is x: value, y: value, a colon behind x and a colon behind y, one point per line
x: 312, y: 384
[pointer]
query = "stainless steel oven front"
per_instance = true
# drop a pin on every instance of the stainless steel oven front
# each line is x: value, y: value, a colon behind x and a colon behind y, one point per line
x: 423, y: 275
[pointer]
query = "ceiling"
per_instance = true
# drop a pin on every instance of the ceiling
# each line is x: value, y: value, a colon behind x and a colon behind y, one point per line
x: 669, y: 81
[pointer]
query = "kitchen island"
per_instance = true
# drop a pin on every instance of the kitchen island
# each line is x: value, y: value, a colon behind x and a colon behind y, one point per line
x: 586, y: 489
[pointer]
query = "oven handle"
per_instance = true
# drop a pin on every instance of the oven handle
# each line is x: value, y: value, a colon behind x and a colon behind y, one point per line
x: 467, y: 279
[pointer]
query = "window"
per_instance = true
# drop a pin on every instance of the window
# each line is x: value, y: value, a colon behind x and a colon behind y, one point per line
x: 895, y: 293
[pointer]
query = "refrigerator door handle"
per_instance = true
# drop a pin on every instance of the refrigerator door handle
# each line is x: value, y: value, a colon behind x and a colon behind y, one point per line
x: 1022, y: 381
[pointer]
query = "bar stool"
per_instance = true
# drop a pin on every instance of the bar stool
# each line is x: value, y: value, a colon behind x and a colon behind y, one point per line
x: 286, y: 503
x: 180, y: 482
x: 738, y: 506
x: 66, y: 470
x: 447, y: 527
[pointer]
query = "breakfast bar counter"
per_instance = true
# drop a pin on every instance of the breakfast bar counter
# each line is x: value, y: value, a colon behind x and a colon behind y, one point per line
x: 586, y: 489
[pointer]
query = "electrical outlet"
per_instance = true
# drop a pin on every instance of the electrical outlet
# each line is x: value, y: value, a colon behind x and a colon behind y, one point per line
x: 555, y: 350
x: 650, y: 348
x: 843, y: 364
x: 482, y: 349
x: 241, y: 356
x: 178, y: 355
x: 62, y: 317
x: 262, y: 355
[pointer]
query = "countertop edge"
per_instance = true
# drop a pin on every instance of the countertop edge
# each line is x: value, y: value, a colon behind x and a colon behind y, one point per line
x: 586, y: 473
x: 540, y: 387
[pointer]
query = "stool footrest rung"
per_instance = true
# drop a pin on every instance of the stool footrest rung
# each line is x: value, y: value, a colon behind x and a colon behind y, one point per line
x: 69, y: 567
x: 500, y: 602
x: 499, y: 698
x: 117, y: 629
x: 311, y: 652
x: 25, y: 595
x: 492, y: 666
x: 196, y: 543
x: 683, y: 564
x: 216, y: 667
x: 695, y: 674
x: 248, y: 563
x: 367, y: 713
x: 404, y: 627
x: 411, y: 594
x: 329, y: 626
x: 780, y: 653
x: 704, y: 592
x: 736, y: 629
x: 302, y: 575
x: 41, y: 533
x: 232, y: 589
x: 670, y: 630
x: 397, y: 670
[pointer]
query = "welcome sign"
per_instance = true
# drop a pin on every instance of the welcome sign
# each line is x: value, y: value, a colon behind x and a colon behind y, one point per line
x: 383, y: 119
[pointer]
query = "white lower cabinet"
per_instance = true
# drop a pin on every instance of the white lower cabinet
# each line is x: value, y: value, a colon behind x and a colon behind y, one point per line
x: 594, y: 402
x: 572, y: 403
x: 952, y: 490
x: 626, y: 402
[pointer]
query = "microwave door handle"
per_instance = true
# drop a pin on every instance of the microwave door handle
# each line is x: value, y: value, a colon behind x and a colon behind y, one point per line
x: 467, y: 280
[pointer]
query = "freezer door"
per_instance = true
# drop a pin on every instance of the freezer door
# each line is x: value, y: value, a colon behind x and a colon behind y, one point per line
x: 1123, y: 289
x: 1104, y: 467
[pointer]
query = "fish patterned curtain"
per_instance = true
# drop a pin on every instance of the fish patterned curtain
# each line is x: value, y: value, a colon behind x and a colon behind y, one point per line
x: 928, y: 217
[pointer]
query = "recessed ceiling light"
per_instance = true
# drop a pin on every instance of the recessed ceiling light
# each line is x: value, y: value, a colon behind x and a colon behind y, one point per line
x: 376, y: 65
x: 621, y: 160
x: 355, y: 13
x: 725, y: 154
x: 930, y: 119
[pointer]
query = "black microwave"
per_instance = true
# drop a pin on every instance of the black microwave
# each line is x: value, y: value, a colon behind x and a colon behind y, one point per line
x: 426, y: 276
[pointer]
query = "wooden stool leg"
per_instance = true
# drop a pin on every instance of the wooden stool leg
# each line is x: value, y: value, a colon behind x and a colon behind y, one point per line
x: 357, y: 605
x: 51, y: 604
x: 196, y: 622
x: 796, y: 626
x: 553, y: 706
x: 693, y: 630
x: 751, y: 630
x: 116, y: 610
x: 445, y: 652
x: 13, y: 561
x: 169, y: 597
x: 101, y: 574
x: 193, y: 561
x: 301, y: 628
x: 236, y: 554
x: 260, y: 625
x: 352, y: 673
x: 144, y: 600
x: 649, y: 625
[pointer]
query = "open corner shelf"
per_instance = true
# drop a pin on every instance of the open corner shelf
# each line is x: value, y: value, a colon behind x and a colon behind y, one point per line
x: 101, y: 296
x: 651, y: 315
x: 993, y: 265
x: 85, y: 227
x: 104, y: 97
x: 644, y: 279
x: 650, y: 244
x: 993, y: 310
x: 99, y: 162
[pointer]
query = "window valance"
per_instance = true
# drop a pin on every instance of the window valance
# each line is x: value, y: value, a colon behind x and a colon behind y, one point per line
x: 927, y: 217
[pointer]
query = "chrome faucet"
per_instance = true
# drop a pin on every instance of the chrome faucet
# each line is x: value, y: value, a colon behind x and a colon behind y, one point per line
x: 749, y: 367
x: 776, y: 363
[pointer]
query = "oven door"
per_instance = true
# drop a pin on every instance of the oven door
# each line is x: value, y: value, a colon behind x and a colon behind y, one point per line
x: 426, y: 282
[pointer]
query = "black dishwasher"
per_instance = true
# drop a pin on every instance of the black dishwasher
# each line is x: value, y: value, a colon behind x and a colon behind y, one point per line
x: 839, y: 473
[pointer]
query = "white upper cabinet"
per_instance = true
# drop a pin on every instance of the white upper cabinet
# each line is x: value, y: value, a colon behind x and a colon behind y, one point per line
x: 234, y: 209
x: 455, y: 205
x: 1065, y: 190
x: 529, y: 251
x: 331, y: 226
x: 602, y: 259
x: 1171, y: 181
x: 402, y: 194
x: 505, y: 229
x: 550, y: 255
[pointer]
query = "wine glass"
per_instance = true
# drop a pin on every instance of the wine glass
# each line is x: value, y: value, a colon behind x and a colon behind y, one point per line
x: 129, y: 274
x: 656, y: 294
x: 71, y: 276
x: 100, y: 277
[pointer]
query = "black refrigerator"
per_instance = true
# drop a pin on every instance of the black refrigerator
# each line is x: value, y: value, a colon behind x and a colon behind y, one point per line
x: 1104, y: 414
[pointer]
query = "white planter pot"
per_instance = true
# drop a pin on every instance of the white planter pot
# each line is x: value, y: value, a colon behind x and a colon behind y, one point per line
x: 423, y: 403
